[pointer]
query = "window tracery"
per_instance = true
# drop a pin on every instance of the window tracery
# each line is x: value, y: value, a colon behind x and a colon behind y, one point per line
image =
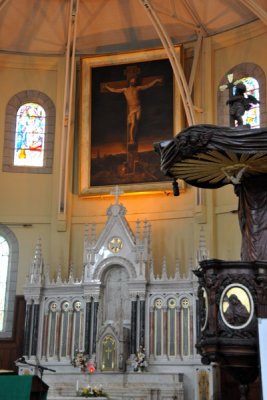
x: 29, y: 133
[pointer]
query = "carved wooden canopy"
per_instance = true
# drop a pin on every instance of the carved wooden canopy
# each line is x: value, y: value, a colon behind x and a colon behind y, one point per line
x: 210, y: 156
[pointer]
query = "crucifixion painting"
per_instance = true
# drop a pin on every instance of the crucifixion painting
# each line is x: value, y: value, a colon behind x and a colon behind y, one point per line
x: 132, y: 105
x: 131, y: 90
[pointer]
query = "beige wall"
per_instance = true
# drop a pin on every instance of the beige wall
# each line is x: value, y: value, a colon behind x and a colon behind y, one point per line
x: 29, y: 202
x: 243, y: 45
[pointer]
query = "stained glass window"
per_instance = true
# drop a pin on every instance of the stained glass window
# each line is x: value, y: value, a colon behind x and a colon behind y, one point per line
x: 252, y: 116
x: 4, y: 258
x: 30, y: 134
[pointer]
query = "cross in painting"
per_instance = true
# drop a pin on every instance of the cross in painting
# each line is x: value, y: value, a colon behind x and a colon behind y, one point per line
x: 131, y: 89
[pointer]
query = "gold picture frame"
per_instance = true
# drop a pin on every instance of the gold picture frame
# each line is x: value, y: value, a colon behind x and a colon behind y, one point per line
x: 104, y: 142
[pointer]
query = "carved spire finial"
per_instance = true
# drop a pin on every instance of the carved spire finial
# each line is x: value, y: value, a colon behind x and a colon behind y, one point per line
x: 152, y: 276
x: 164, y: 275
x: 138, y: 237
x: 116, y: 192
x: 37, y: 264
x: 177, y: 275
x: 202, y: 251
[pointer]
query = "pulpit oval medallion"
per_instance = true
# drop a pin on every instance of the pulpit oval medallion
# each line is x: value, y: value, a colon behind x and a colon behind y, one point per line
x: 236, y: 306
x: 203, y: 309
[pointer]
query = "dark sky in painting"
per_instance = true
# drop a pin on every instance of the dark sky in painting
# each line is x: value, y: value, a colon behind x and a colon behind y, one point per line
x: 109, y: 110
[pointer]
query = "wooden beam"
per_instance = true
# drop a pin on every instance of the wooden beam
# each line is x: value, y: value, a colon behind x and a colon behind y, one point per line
x: 67, y: 107
x: 256, y: 9
x: 175, y: 62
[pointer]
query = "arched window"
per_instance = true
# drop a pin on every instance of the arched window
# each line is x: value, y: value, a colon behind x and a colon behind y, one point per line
x: 253, y: 77
x: 29, y: 133
x: 4, y: 257
x: 252, y: 116
x: 8, y: 279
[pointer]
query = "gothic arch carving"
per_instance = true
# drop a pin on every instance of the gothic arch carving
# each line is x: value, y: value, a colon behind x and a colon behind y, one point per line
x: 188, y: 296
x: 105, y: 264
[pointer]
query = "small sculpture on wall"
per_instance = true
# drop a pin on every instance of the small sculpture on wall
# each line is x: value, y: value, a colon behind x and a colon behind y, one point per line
x: 240, y: 102
x: 140, y: 360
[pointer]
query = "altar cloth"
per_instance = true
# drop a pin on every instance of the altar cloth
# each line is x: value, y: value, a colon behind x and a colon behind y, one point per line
x: 18, y: 387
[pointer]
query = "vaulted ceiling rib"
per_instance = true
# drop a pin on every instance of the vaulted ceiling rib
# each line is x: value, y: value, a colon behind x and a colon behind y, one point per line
x: 106, y: 26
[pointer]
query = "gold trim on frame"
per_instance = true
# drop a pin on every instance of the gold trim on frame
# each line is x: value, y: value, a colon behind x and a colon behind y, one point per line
x: 85, y: 133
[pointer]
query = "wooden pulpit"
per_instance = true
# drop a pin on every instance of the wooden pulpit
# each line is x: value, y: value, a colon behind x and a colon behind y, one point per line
x: 22, y: 387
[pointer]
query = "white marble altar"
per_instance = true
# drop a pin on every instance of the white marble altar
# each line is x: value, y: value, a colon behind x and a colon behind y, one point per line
x: 130, y: 386
x: 115, y: 307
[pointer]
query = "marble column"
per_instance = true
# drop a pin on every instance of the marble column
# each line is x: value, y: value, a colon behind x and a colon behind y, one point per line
x: 27, y: 333
x: 133, y: 326
x: 70, y: 330
x: 178, y: 330
x: 35, y: 329
x: 96, y: 305
x: 151, y: 330
x: 142, y: 310
x: 45, y: 335
x: 165, y: 330
x: 88, y: 317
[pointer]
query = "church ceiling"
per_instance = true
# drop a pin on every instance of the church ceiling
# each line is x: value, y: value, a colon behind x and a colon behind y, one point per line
x: 108, y: 26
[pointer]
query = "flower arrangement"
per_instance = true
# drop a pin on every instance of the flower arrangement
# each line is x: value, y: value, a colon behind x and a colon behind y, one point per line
x: 89, y: 391
x: 80, y: 360
x: 83, y: 361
